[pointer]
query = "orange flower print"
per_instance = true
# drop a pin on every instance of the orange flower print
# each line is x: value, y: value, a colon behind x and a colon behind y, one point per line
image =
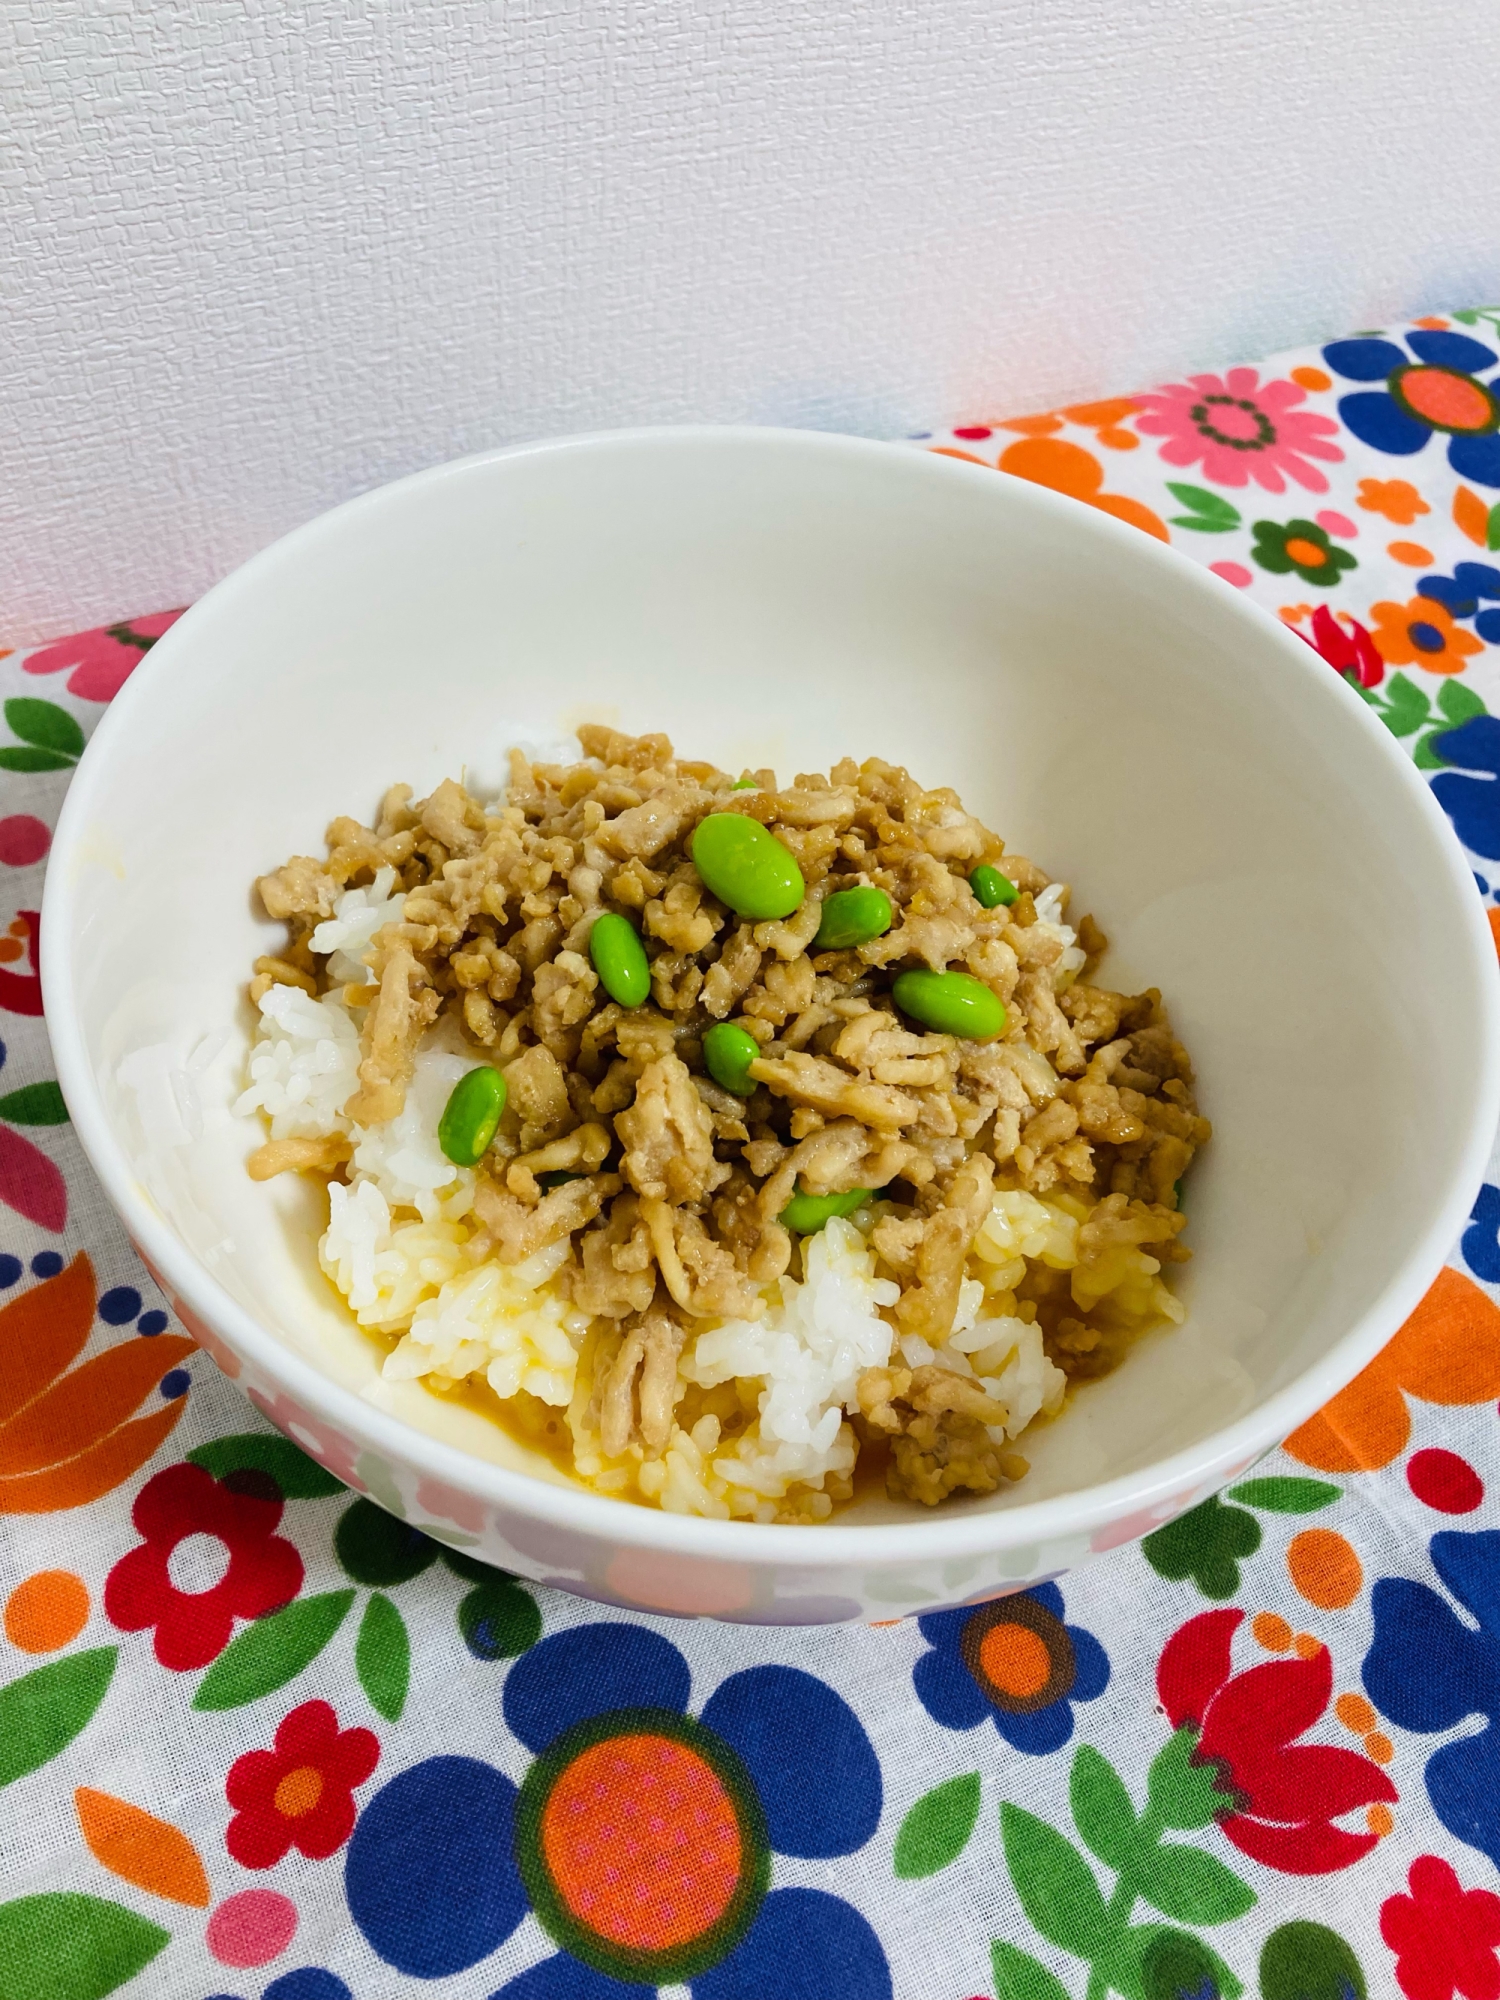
x: 69, y: 1436
x: 1448, y: 1352
x: 1472, y: 516
x: 1068, y: 468
x: 1396, y: 499
x: 1421, y: 634
x: 1105, y: 420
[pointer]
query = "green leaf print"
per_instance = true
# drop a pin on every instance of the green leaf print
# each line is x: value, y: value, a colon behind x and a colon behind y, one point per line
x: 1102, y: 1811
x: 1458, y: 702
x: 377, y: 1549
x: 64, y: 1946
x: 34, y: 1104
x: 1019, y: 1976
x: 1211, y: 515
x: 1059, y: 1893
x: 298, y: 1476
x: 499, y: 1620
x: 44, y: 1710
x: 1206, y: 1545
x: 1193, y: 1887
x: 382, y: 1657
x: 1055, y: 1884
x: 936, y: 1830
x: 1492, y: 532
x: 1286, y: 1496
x: 1182, y: 1792
x: 1307, y: 1961
x: 1406, y: 708
x: 1165, y: 1964
x: 273, y: 1650
x: 24, y: 758
x: 46, y: 725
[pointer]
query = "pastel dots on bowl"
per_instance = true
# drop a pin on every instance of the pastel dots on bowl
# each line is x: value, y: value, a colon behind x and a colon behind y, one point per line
x: 252, y: 1928
x: 47, y: 1611
x: 1444, y: 1481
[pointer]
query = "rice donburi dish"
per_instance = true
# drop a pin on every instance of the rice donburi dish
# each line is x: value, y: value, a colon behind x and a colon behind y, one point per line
x: 719, y: 1136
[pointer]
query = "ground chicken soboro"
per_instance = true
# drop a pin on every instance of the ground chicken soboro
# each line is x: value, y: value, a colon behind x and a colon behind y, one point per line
x: 616, y: 1269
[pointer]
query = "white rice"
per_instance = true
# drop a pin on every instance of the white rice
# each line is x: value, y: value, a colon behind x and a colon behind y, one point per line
x: 304, y: 1064
x: 350, y: 931
x: 1050, y: 904
x: 809, y: 1353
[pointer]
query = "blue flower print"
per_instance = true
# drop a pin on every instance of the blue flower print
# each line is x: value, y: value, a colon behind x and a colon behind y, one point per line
x: 1472, y: 802
x: 1462, y: 594
x: 1481, y: 1240
x: 1427, y: 1670
x: 308, y: 1982
x: 1013, y: 1660
x: 641, y: 1837
x: 1432, y: 388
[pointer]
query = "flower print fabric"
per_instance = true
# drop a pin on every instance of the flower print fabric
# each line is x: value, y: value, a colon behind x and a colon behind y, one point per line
x: 99, y: 662
x: 1012, y: 1662
x: 1238, y: 429
x: 1473, y: 591
x: 1347, y: 647
x: 1444, y: 1936
x: 233, y: 1525
x: 1303, y: 547
x: 1421, y: 633
x: 1430, y: 386
x: 1286, y: 1794
x: 1429, y: 1671
x: 641, y: 1837
x: 301, y: 1793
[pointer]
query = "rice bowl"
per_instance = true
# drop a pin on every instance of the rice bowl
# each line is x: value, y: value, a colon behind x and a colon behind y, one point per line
x: 1258, y: 844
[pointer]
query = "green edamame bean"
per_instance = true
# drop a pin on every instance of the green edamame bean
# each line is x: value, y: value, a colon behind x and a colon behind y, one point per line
x: 729, y: 1050
x: 556, y: 1178
x: 745, y: 785
x: 619, y: 958
x: 992, y: 888
x: 471, y: 1115
x: 954, y: 1003
x: 853, y: 916
x: 746, y: 868
x: 807, y: 1213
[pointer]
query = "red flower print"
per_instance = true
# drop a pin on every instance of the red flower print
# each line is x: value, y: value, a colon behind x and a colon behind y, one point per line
x: 194, y: 1525
x: 1350, y: 652
x: 102, y: 659
x: 1444, y: 1938
x: 301, y: 1794
x: 1283, y: 1797
x: 21, y: 992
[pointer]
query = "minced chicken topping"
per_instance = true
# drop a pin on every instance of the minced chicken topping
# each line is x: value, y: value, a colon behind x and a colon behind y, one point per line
x: 617, y: 1258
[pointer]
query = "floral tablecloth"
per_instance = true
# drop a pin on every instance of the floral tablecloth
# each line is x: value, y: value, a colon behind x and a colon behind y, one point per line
x: 260, y: 1739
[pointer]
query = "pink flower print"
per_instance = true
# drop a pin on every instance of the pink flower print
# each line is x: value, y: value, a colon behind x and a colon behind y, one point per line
x: 102, y: 659
x: 1241, y: 429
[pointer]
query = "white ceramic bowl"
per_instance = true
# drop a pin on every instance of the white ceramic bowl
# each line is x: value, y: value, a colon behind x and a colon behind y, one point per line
x: 1253, y: 841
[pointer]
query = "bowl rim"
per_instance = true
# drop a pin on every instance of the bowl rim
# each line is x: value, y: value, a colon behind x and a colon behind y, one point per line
x: 1196, y: 1469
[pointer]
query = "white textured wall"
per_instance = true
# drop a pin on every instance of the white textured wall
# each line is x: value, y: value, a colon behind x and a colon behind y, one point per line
x: 258, y: 254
